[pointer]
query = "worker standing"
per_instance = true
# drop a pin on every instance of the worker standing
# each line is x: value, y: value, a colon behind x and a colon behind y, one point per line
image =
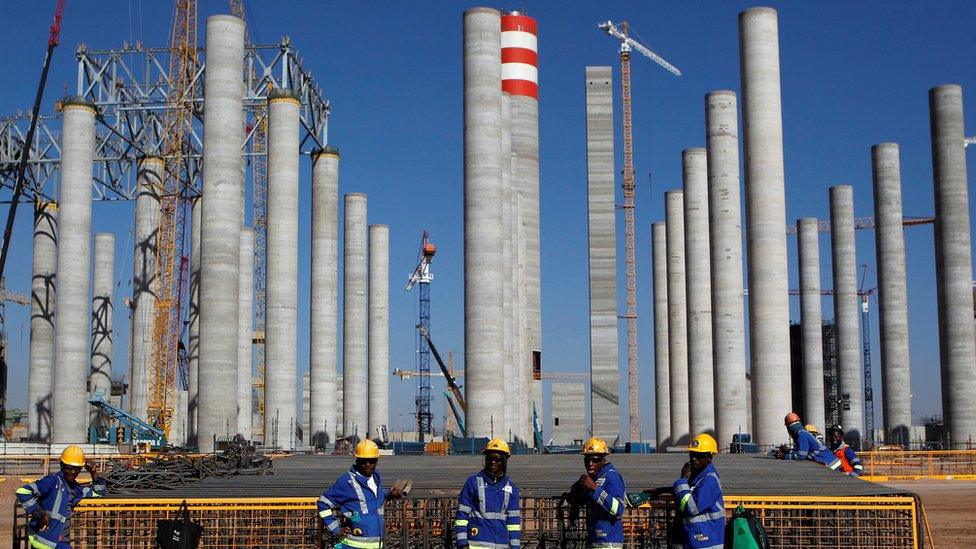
x: 602, y: 489
x: 850, y: 464
x: 805, y: 445
x: 488, y: 514
x: 51, y: 500
x: 352, y: 509
x: 698, y: 493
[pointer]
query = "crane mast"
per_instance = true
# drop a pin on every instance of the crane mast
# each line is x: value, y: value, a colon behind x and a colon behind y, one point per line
x: 422, y: 277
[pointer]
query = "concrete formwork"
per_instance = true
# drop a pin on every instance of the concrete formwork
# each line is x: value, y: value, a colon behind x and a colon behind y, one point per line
x: 568, y: 402
x: 482, y: 221
x: 892, y: 294
x: 245, y: 335
x: 44, y: 265
x: 73, y: 307
x: 725, y: 232
x: 379, y: 329
x: 604, y: 358
x: 144, y: 272
x: 193, y: 324
x: 847, y: 313
x: 808, y: 249
x: 220, y: 228
x: 510, y: 362
x: 662, y: 397
x: 769, y: 307
x: 677, y: 317
x: 953, y: 264
x: 698, y: 284
x: 354, y: 355
x: 103, y: 308
x: 324, y: 310
x: 281, y: 341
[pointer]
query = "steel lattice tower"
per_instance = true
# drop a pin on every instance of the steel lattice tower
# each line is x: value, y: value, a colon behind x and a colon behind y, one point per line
x: 424, y: 417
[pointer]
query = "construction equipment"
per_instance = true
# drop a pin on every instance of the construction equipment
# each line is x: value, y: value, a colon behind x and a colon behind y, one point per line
x: 551, y: 376
x: 451, y: 381
x: 823, y: 225
x: 421, y: 275
x: 866, y: 353
x: 457, y: 414
x: 140, y: 433
x: 622, y: 33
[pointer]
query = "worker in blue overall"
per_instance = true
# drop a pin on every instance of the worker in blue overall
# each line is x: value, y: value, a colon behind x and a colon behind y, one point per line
x: 352, y: 509
x: 805, y: 447
x: 698, y: 494
x: 51, y: 500
x: 602, y: 490
x: 488, y: 515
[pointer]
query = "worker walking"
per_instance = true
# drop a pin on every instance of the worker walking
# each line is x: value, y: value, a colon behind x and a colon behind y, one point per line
x: 602, y: 490
x: 698, y: 493
x: 352, y: 509
x: 805, y: 446
x: 51, y: 500
x: 850, y: 464
x: 488, y: 514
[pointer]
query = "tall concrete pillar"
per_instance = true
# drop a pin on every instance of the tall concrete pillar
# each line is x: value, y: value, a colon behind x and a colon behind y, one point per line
x: 604, y: 359
x: 103, y: 284
x: 509, y: 335
x: 144, y: 272
x: 953, y: 264
x: 193, y: 326
x: 71, y: 343
x: 769, y: 307
x: 808, y: 248
x: 893, y: 294
x: 677, y: 317
x: 847, y: 313
x: 725, y: 232
x: 482, y: 221
x: 220, y: 228
x: 354, y: 358
x: 324, y: 310
x: 44, y: 264
x: 698, y: 284
x: 662, y: 398
x: 281, y: 370
x: 245, y: 337
x: 379, y: 329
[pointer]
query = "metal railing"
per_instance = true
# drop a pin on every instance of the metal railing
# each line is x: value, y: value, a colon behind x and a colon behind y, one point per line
x: 898, y: 465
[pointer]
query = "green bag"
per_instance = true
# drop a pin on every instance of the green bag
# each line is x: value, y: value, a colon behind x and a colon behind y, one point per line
x: 744, y: 531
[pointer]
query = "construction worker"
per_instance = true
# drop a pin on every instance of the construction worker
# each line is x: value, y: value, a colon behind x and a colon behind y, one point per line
x: 698, y: 493
x: 812, y: 429
x: 602, y: 489
x: 850, y: 464
x: 352, y: 509
x: 488, y: 514
x: 805, y: 446
x: 51, y: 500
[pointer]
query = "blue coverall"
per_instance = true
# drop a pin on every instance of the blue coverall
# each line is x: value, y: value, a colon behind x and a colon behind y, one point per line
x: 605, y: 510
x: 849, y: 462
x: 350, y: 502
x: 701, y: 508
x: 808, y: 448
x: 58, y: 497
x: 488, y: 515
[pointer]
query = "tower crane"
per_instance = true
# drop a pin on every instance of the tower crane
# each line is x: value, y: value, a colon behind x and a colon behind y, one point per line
x: 622, y: 33
x: 422, y: 276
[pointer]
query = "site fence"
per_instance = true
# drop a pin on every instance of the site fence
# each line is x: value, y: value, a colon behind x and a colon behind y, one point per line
x: 894, y: 465
x: 890, y: 522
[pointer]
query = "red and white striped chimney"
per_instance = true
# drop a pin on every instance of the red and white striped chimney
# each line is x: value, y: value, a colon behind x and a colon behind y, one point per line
x: 520, y: 55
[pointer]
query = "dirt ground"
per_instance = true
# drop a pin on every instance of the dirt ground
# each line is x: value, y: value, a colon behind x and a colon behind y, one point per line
x: 7, y: 488
x: 949, y: 506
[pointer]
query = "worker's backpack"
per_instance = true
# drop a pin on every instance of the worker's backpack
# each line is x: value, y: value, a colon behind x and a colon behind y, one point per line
x: 744, y: 531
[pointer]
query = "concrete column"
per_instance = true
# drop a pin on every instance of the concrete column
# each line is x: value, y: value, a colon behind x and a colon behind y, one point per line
x: 953, y: 264
x: 354, y: 358
x: 144, y: 273
x: 808, y: 248
x: 568, y: 402
x: 601, y: 217
x: 220, y: 228
x: 245, y: 327
x: 677, y: 317
x: 725, y: 232
x: 509, y: 335
x: 324, y: 311
x: 482, y: 222
x: 306, y: 408
x: 281, y: 370
x: 893, y: 294
x: 847, y: 313
x: 379, y: 328
x: 698, y: 284
x: 71, y: 343
x: 662, y: 383
x: 193, y: 327
x: 769, y: 307
x: 103, y: 284
x: 41, y: 360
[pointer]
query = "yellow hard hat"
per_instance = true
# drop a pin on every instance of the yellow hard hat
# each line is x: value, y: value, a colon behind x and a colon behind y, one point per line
x: 811, y: 428
x: 367, y: 449
x: 497, y: 445
x: 703, y: 443
x: 74, y: 456
x: 595, y: 446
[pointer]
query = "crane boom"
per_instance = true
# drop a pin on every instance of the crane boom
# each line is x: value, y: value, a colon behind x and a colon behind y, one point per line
x: 628, y: 42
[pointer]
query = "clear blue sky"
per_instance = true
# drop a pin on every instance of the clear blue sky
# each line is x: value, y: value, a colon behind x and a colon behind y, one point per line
x: 854, y: 74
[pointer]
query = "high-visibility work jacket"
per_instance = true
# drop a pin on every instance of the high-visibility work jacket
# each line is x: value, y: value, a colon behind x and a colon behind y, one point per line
x: 350, y: 502
x: 605, y: 510
x: 807, y: 448
x: 58, y: 497
x: 488, y: 515
x: 702, y: 510
x: 849, y: 462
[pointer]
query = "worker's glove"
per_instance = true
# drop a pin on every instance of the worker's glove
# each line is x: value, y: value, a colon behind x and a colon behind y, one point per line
x: 41, y: 518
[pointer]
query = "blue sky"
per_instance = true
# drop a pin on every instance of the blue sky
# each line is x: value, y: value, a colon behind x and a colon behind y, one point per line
x: 853, y: 74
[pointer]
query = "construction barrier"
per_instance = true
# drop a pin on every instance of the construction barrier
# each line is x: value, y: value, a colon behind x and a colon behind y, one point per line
x: 898, y: 465
x: 888, y: 522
